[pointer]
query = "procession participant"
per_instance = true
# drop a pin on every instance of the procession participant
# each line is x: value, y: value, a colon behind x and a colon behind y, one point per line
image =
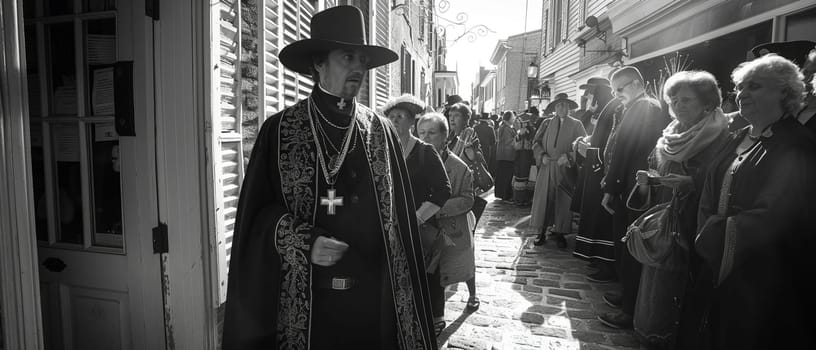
x: 326, y: 252
x: 627, y: 151
x: 595, y: 241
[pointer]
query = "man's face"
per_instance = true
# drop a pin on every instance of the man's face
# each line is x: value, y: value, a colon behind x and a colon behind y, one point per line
x: 343, y: 72
x: 626, y: 89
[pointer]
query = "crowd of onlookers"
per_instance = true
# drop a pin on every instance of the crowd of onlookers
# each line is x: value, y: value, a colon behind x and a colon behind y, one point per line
x: 697, y: 202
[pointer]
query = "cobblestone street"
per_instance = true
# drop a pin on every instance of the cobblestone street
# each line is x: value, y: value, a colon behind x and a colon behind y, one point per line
x: 531, y: 297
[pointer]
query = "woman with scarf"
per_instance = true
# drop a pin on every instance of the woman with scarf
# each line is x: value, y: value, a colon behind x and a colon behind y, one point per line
x: 552, y: 146
x: 678, y: 165
x: 756, y: 221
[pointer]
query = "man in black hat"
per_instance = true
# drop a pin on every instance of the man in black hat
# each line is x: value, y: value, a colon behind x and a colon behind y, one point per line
x: 595, y: 241
x: 326, y: 252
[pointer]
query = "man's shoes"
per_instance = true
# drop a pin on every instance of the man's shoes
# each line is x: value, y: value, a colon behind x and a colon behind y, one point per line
x: 602, y: 276
x: 613, y: 299
x: 617, y: 320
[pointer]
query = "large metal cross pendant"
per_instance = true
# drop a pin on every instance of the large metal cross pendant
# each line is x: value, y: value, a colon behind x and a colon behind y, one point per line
x: 331, y: 201
x: 341, y: 104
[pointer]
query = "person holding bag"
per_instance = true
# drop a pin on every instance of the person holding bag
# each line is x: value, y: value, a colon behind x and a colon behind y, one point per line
x: 660, y: 238
x: 552, y: 146
x: 464, y: 143
x: 456, y: 223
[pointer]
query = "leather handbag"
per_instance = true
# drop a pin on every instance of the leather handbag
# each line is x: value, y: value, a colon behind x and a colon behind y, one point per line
x: 654, y: 239
x: 481, y: 177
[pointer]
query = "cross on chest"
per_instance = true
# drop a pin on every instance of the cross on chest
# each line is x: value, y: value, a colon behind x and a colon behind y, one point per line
x: 331, y: 201
x: 341, y: 104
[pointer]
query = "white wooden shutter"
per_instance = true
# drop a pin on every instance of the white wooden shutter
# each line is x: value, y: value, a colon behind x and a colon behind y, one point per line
x: 551, y: 23
x: 296, y: 16
x: 226, y: 157
x: 564, y: 19
x: 270, y: 47
x: 383, y: 73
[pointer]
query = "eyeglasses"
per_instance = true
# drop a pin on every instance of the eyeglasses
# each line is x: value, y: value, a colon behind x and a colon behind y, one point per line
x: 620, y: 89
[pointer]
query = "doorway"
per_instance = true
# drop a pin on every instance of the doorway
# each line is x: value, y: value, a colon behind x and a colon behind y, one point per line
x: 94, y: 191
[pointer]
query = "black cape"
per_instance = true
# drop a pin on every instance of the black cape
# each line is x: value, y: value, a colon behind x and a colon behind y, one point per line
x: 271, y: 288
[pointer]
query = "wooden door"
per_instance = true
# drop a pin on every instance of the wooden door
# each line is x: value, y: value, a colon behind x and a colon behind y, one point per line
x: 94, y: 191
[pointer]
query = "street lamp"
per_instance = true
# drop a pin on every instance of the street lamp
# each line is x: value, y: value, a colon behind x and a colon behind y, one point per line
x: 532, y: 81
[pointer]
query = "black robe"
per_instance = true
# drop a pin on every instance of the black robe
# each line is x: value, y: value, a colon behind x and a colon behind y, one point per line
x: 595, y: 238
x: 765, y: 299
x: 276, y: 298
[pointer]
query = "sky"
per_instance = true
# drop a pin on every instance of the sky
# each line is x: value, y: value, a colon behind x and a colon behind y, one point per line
x: 504, y: 17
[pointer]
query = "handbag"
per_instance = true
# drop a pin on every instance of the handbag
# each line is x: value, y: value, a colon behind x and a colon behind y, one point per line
x: 653, y: 239
x: 481, y: 177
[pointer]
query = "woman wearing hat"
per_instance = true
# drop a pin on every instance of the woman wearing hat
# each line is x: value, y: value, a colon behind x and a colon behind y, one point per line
x: 326, y: 252
x: 552, y: 146
x: 429, y: 181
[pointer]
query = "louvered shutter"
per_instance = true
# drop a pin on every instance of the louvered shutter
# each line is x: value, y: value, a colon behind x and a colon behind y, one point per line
x: 545, y: 35
x: 227, y: 169
x: 295, y: 26
x: 364, y: 95
x: 271, y: 70
x: 551, y: 23
x: 382, y: 73
x: 564, y: 20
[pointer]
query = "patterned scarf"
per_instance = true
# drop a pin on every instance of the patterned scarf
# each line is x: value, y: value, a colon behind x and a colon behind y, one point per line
x: 681, y: 146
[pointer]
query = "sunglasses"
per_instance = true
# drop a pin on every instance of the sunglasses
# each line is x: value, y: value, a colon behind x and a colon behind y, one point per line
x: 620, y: 89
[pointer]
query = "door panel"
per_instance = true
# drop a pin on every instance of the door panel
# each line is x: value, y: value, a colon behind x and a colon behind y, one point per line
x: 98, y: 317
x: 94, y: 192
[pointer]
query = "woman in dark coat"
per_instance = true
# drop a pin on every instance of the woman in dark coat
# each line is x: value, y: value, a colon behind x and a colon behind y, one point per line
x: 430, y: 185
x: 756, y: 222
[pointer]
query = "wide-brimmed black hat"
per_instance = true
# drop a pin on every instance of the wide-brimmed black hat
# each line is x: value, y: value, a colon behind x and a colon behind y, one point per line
x: 595, y: 82
x: 560, y: 98
x: 340, y: 27
x: 796, y: 51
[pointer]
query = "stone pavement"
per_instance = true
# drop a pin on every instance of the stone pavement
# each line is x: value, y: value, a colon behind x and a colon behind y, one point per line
x: 531, y: 297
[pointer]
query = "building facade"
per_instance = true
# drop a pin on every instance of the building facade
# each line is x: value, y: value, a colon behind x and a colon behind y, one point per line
x: 512, y: 57
x: 711, y: 35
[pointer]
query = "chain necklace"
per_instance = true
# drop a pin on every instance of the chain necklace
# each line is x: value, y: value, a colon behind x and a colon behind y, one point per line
x: 311, y: 100
x: 327, y: 139
x: 330, y: 171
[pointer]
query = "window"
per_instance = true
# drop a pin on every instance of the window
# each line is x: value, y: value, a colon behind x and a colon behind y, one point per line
x: 581, y: 14
x: 558, y: 27
x: 74, y: 144
x: 406, y: 71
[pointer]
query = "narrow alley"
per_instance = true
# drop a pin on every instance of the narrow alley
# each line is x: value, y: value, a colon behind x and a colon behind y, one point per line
x: 531, y: 297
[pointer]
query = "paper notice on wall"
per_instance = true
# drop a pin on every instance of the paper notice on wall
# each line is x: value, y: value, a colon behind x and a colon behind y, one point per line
x: 105, y: 132
x: 66, y: 142
x: 102, y: 94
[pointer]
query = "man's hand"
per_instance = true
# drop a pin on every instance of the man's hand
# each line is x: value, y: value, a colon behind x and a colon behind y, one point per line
x: 562, y: 160
x: 327, y: 251
x: 606, y: 201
